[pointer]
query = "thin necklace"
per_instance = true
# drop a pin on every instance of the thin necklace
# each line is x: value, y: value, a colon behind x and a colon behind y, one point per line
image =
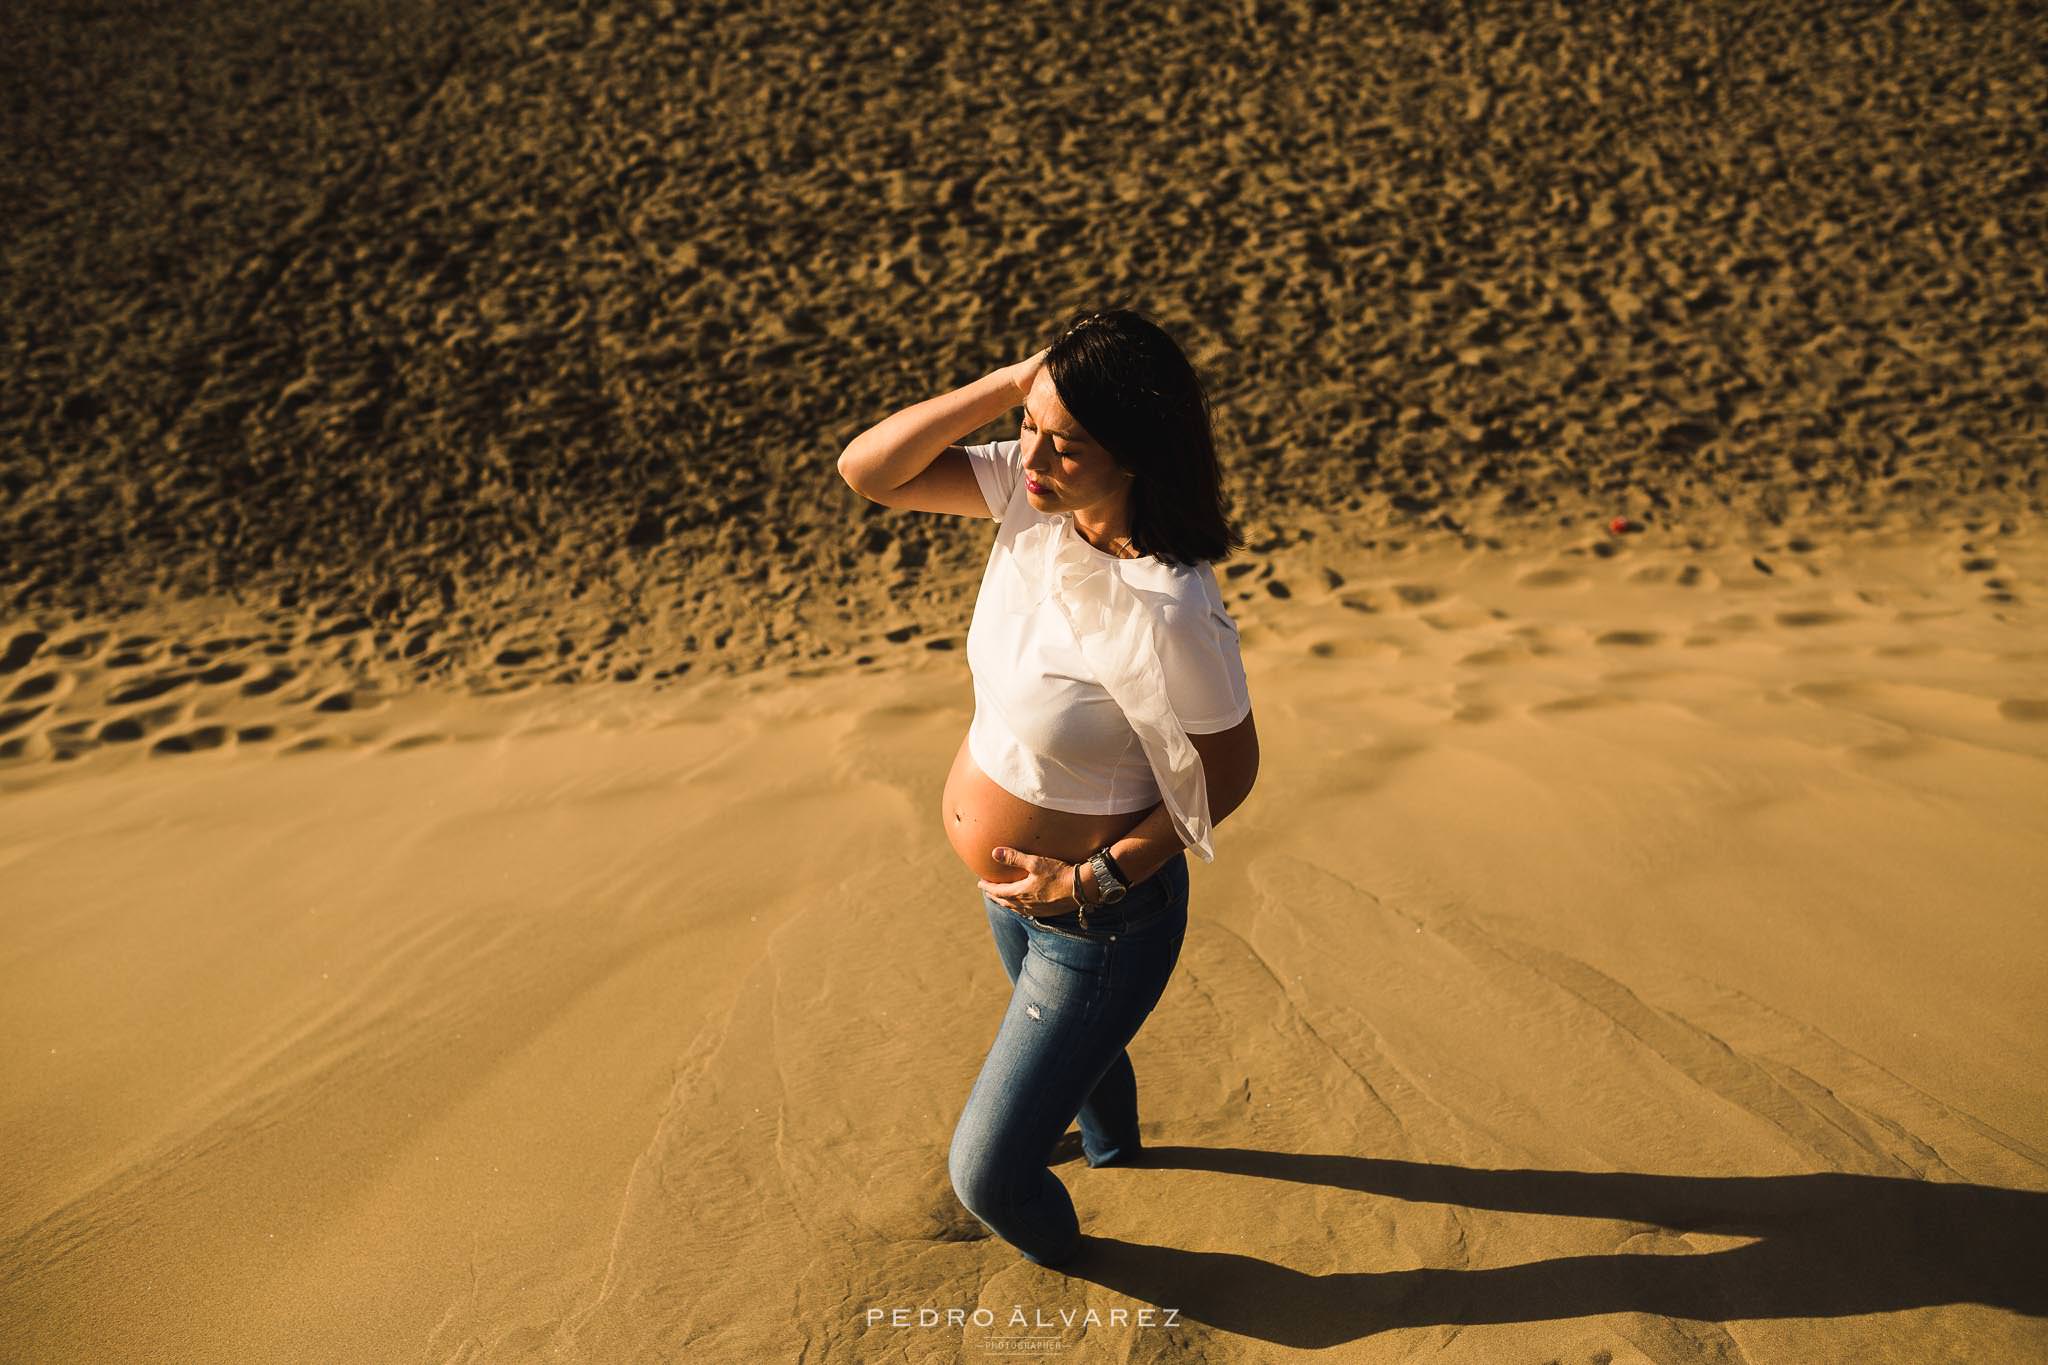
x: 1075, y: 526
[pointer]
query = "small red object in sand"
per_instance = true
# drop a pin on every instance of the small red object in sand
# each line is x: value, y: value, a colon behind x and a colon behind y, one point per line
x: 1621, y: 526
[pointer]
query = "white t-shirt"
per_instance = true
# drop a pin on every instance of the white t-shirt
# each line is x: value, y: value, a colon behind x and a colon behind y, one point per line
x: 1044, y: 728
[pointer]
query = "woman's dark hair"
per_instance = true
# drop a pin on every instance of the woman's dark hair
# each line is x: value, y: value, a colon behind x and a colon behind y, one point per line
x: 1136, y: 393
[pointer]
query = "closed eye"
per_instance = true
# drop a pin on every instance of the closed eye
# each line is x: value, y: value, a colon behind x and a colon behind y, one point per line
x: 1057, y: 448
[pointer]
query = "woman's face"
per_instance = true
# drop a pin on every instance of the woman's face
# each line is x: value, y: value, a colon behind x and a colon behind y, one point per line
x: 1065, y: 470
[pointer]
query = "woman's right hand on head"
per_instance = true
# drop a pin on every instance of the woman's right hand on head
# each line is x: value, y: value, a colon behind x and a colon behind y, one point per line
x: 1024, y: 373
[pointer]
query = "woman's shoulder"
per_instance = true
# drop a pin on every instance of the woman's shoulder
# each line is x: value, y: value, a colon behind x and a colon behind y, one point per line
x: 1192, y: 592
x: 1190, y: 576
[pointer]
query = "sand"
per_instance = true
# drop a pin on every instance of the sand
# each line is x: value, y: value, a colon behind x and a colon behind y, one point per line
x: 471, y: 885
x: 619, y: 1026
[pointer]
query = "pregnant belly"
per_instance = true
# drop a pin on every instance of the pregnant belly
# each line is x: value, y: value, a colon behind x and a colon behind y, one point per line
x: 979, y: 815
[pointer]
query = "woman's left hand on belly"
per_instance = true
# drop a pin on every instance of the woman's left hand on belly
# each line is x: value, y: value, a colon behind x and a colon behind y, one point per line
x: 1045, y: 886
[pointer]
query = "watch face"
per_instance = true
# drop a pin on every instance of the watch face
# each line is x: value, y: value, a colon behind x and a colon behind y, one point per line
x: 1112, y: 889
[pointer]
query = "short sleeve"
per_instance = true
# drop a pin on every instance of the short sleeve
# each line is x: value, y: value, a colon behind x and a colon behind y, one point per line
x: 1205, y: 671
x: 997, y: 467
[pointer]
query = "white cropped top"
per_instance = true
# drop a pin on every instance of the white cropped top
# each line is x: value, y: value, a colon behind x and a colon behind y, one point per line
x: 1089, y: 670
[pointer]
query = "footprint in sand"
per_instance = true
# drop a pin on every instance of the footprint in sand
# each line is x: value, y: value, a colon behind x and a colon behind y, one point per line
x: 146, y: 688
x: 1550, y: 578
x: 16, y: 717
x: 348, y: 699
x: 1592, y: 701
x: 20, y: 650
x: 122, y: 731
x: 35, y: 685
x: 1809, y: 618
x: 205, y: 737
x: 1357, y: 601
x: 2032, y: 710
x: 79, y: 646
x: 1436, y: 620
x: 1632, y: 638
x: 1415, y: 594
x: 269, y: 682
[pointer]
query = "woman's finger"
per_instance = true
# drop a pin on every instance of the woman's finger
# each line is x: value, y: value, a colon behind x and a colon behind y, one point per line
x: 1000, y: 889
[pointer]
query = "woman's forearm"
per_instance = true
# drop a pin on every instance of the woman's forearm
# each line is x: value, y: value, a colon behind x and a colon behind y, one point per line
x: 902, y: 445
x: 1153, y: 841
x: 1149, y: 846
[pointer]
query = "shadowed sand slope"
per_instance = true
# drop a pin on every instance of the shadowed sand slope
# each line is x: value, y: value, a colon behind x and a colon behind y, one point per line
x: 1604, y: 965
x: 468, y: 767
x: 430, y: 317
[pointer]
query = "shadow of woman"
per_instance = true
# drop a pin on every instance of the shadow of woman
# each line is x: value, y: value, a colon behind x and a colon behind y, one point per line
x: 1828, y: 1245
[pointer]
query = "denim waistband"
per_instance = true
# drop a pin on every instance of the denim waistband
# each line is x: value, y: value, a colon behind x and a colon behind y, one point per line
x: 1164, y: 887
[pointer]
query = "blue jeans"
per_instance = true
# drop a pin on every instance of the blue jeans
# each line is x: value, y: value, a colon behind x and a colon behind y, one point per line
x: 1079, y: 996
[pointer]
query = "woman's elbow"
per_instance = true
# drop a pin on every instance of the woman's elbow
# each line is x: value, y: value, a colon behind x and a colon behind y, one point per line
x: 1238, y: 789
x: 1245, y: 792
x: 849, y: 468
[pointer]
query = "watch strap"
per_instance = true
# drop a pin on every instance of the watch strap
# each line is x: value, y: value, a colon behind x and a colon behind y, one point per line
x: 1105, y: 868
x: 1116, y: 871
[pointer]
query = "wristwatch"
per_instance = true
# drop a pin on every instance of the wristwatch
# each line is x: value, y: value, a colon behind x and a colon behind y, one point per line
x: 1109, y: 878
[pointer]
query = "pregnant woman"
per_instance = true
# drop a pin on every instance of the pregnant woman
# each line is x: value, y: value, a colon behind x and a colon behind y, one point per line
x: 1112, y: 726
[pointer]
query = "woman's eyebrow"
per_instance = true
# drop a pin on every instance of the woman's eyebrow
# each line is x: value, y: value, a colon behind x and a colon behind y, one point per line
x: 1063, y: 435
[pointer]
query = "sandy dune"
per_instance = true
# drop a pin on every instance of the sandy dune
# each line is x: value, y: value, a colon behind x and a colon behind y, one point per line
x: 1604, y: 965
x: 469, y: 878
